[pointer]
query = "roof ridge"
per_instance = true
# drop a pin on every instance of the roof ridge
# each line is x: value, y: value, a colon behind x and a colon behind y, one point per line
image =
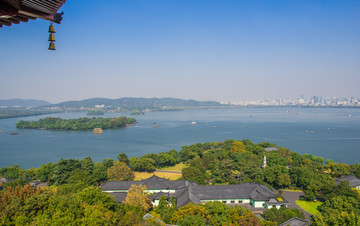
x: 157, y: 180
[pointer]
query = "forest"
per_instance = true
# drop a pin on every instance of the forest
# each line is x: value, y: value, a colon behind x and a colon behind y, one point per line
x: 96, y: 112
x: 75, y: 124
x: 21, y: 112
x: 71, y: 194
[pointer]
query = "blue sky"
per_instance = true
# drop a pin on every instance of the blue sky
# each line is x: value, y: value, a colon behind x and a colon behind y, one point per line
x: 192, y: 49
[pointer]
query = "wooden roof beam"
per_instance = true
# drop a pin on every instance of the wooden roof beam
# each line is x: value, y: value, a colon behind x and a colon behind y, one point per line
x: 21, y: 18
x: 13, y: 20
x: 26, y: 16
x: 5, y: 22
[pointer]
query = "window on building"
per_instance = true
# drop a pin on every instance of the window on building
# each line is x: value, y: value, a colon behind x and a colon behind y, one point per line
x: 224, y: 201
x: 274, y: 205
x: 232, y: 201
x: 240, y: 201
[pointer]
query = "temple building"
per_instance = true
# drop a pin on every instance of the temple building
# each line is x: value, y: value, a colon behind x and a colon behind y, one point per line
x: 253, y: 195
x: 16, y: 11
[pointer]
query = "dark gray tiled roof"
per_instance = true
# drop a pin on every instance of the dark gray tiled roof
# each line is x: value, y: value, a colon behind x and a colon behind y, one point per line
x: 295, y: 221
x: 157, y: 196
x: 118, y: 185
x: 153, y: 182
x: 156, y: 182
x: 261, y: 192
x: 353, y: 181
x: 185, y: 196
x: 274, y: 201
x: 254, y: 191
x: 119, y: 196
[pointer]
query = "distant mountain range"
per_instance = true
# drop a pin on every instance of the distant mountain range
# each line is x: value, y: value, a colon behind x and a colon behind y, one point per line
x: 136, y: 103
x: 23, y: 103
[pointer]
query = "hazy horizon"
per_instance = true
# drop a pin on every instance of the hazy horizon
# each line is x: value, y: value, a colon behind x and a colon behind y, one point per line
x: 202, y: 50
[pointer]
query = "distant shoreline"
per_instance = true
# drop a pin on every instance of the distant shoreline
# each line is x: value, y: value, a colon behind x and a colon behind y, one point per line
x: 17, y: 113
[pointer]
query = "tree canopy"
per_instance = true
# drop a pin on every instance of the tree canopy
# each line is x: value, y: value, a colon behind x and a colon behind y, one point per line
x: 75, y: 124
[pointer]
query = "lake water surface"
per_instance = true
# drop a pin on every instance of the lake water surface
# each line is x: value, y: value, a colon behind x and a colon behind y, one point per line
x: 336, y: 134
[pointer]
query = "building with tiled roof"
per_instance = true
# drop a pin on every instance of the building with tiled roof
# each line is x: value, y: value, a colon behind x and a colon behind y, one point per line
x: 354, y: 182
x: 16, y: 11
x: 295, y: 221
x: 184, y: 191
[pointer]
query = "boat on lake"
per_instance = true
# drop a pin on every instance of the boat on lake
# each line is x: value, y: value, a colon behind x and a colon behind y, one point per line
x: 14, y: 133
x: 97, y: 130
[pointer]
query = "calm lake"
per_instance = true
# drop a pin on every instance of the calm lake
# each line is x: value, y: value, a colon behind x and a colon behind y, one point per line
x: 333, y: 133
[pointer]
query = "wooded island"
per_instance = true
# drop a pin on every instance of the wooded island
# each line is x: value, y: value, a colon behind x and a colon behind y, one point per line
x: 75, y: 124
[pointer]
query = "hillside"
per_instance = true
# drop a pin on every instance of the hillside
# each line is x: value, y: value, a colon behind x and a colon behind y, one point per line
x: 136, y: 103
x: 23, y: 103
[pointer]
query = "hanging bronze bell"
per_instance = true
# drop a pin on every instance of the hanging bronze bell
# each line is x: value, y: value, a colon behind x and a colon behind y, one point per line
x: 51, y: 29
x: 51, y: 38
x: 52, y: 46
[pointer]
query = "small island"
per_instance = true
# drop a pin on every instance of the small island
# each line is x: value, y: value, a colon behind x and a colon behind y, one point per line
x: 96, y: 112
x: 53, y: 123
x: 137, y: 113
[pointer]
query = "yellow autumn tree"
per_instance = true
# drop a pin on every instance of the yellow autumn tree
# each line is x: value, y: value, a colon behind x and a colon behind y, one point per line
x: 137, y: 196
x: 120, y: 172
x: 238, y: 146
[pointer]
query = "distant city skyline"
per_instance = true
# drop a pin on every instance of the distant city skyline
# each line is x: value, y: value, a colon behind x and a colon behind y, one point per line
x: 202, y: 50
x: 302, y: 100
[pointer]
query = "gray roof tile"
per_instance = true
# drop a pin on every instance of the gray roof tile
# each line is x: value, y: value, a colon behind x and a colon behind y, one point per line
x: 353, y: 181
x: 295, y: 221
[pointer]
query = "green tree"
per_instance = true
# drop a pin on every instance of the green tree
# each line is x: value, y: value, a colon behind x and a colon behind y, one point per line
x: 120, y: 172
x: 166, y: 159
x: 193, y: 174
x: 192, y: 220
x: 219, y: 212
x: 191, y: 209
x: 143, y: 164
x: 122, y: 157
x: 284, y: 180
x: 108, y: 163
x: 43, y: 173
x: 63, y: 169
x: 95, y: 196
x: 11, y: 172
x: 87, y: 164
x: 283, y: 214
x: 99, y: 174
